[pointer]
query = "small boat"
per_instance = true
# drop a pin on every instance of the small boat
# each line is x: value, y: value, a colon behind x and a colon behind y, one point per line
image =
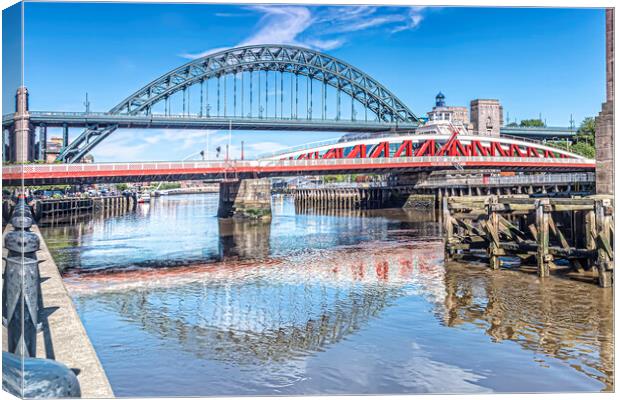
x: 144, y: 198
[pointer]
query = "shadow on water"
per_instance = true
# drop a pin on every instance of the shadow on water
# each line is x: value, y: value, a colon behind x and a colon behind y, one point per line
x: 277, y: 308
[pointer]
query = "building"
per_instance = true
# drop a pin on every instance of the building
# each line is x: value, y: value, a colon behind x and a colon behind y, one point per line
x: 486, y: 117
x: 52, y: 149
x: 454, y: 114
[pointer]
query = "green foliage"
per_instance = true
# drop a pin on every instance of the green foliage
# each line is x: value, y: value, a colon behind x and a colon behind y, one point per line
x: 532, y: 123
x: 512, y: 124
x: 587, y: 131
x: 122, y: 186
x: 583, y: 149
x: 168, y: 185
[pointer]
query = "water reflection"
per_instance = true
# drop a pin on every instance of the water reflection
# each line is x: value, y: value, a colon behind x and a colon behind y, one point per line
x: 243, y: 239
x: 571, y: 321
x: 179, y: 303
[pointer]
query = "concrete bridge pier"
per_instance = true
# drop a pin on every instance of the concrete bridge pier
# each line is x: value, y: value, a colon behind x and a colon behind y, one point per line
x: 245, y: 199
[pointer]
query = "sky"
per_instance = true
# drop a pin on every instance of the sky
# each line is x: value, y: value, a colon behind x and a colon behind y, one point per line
x: 536, y: 61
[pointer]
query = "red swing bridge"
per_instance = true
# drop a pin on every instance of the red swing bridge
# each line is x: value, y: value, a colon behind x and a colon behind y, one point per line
x: 378, y: 153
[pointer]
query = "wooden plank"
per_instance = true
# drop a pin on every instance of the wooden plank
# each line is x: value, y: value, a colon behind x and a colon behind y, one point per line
x: 558, y: 233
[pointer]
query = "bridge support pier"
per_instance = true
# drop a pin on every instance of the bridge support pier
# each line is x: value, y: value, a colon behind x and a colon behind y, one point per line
x: 22, y: 134
x: 245, y: 199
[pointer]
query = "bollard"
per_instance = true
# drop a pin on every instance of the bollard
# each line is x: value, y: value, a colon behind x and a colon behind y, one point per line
x: 22, y: 242
x: 21, y: 279
x: 21, y: 212
x: 21, y: 222
x: 38, y: 378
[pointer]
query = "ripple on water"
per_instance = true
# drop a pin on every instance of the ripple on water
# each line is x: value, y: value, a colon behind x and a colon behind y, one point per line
x: 338, y: 305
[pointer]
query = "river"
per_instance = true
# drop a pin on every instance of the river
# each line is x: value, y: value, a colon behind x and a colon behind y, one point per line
x: 178, y: 303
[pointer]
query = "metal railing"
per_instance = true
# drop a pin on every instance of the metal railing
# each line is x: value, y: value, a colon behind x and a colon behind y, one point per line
x: 235, y: 165
x: 544, y: 178
x: 205, y: 117
x: 533, y: 179
x: 535, y: 141
x: 342, y: 185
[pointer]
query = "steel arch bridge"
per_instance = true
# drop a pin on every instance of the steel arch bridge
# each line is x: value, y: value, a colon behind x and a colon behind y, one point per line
x: 256, y: 77
x: 297, y: 61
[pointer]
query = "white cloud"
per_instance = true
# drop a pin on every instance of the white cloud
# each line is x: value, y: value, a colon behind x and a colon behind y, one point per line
x: 325, y: 44
x: 265, y: 147
x: 321, y: 28
x: 415, y: 17
x: 193, y: 56
x: 280, y: 25
x: 158, y: 144
x: 119, y: 147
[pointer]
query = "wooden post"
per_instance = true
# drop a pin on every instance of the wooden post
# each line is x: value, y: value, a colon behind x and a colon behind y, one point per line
x: 604, y: 262
x: 448, y: 228
x: 494, y: 250
x: 542, y: 227
x: 590, y: 234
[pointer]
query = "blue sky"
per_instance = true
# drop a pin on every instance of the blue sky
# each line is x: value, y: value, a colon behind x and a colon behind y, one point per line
x: 547, y: 61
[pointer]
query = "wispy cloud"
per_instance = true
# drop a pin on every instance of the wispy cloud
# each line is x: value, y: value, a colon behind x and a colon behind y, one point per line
x: 280, y: 24
x: 322, y: 28
x: 158, y: 144
x: 415, y: 18
x: 193, y: 56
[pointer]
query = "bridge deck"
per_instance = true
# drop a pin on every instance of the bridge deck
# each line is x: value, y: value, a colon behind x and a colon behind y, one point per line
x: 32, y: 174
x: 80, y: 119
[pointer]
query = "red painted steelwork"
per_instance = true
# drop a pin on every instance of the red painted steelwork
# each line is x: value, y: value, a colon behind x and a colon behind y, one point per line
x: 453, y: 147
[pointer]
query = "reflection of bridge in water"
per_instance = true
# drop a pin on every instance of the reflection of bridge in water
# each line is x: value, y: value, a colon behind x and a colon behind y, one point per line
x: 242, y: 312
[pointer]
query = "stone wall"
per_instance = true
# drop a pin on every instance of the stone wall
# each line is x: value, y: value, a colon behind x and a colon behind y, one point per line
x: 604, y: 139
x: 486, y: 116
x: 245, y: 199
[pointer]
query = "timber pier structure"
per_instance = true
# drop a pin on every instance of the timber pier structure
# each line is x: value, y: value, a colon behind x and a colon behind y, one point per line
x: 572, y: 236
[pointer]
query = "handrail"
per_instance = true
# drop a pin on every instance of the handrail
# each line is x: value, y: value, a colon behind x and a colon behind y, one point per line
x: 204, y: 117
x: 232, y: 165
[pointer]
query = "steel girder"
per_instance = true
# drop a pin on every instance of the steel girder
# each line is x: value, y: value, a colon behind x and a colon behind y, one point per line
x: 282, y: 58
x: 84, y: 143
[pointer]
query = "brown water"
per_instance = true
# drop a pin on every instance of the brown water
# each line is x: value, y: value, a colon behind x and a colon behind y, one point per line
x: 177, y: 303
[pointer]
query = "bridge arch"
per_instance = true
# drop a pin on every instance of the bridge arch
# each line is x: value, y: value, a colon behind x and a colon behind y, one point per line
x: 297, y: 61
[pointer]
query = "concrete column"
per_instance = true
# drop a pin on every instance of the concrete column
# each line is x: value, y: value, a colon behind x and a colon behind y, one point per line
x: 245, y: 199
x: 604, y: 138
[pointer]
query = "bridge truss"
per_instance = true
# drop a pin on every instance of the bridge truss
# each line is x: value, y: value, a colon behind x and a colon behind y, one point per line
x: 425, y: 145
x: 271, y: 82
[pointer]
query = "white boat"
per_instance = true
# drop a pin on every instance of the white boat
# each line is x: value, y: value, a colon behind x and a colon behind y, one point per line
x: 144, y: 198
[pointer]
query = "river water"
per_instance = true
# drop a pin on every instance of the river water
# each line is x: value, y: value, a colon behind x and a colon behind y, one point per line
x: 179, y: 303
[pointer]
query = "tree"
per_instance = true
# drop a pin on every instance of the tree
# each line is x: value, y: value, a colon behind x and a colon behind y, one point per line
x: 512, y: 124
x: 587, y: 131
x: 584, y: 149
x: 532, y: 123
